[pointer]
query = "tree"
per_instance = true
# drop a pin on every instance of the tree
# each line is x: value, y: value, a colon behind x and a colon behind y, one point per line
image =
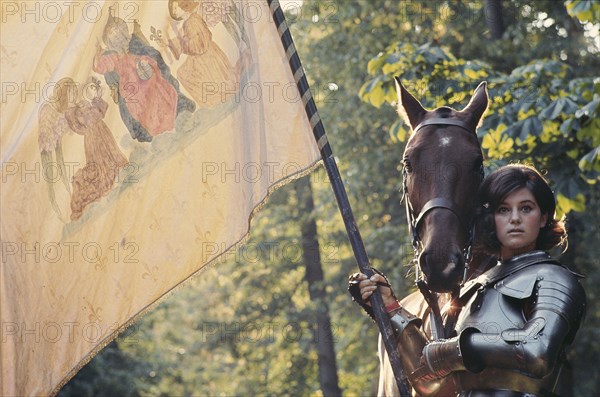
x: 311, y: 255
x: 494, y: 18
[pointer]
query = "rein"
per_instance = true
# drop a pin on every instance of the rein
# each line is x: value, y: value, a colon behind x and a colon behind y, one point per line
x: 437, y: 326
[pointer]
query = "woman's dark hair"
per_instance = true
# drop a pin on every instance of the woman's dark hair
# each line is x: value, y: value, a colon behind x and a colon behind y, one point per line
x: 496, y: 187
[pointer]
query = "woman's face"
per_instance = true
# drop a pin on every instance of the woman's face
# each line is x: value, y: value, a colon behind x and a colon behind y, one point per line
x: 518, y: 222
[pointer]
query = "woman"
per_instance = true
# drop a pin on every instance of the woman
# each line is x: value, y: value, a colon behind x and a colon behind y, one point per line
x: 517, y: 318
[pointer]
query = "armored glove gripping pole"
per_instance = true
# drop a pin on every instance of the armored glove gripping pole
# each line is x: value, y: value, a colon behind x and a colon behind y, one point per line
x: 381, y: 317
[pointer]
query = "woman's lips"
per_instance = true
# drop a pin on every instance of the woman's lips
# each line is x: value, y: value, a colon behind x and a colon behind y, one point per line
x: 515, y: 231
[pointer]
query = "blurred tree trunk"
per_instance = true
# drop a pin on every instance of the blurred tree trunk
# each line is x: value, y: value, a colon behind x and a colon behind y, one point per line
x: 323, y: 335
x: 494, y: 19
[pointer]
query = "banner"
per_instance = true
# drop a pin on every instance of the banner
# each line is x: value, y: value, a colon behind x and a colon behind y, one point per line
x: 137, y: 140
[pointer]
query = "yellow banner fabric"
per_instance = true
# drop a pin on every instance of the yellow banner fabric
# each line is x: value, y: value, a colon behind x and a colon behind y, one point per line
x: 137, y: 139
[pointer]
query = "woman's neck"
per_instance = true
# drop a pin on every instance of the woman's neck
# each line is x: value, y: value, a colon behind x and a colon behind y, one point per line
x: 508, y: 253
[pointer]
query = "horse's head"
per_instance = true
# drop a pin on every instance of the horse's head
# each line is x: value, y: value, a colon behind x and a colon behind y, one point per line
x: 442, y: 172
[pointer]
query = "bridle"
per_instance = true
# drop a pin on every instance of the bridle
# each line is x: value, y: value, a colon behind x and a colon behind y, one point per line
x: 435, y: 203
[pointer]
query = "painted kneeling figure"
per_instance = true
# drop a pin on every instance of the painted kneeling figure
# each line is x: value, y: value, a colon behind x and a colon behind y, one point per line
x: 517, y: 318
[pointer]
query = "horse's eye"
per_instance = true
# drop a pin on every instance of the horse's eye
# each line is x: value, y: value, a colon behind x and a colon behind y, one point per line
x: 407, y: 166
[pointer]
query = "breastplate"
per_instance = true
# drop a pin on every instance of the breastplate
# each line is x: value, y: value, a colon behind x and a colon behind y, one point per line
x: 493, y: 308
x: 491, y: 311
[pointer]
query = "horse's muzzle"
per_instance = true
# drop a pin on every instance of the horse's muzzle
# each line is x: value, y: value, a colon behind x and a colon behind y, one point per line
x: 442, y: 273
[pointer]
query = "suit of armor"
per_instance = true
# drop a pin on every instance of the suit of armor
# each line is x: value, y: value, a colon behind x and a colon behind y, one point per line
x: 511, y: 334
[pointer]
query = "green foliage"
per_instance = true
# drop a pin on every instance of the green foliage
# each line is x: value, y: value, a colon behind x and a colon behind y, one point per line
x: 112, y: 373
x: 584, y: 10
x: 432, y: 73
x: 538, y: 113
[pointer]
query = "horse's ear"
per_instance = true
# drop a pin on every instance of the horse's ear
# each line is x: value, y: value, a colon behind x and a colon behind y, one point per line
x: 409, y: 108
x: 477, y: 105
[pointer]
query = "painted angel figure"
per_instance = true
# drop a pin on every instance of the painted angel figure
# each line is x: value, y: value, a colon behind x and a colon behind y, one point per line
x: 228, y: 13
x: 52, y: 127
x: 206, y: 72
x: 103, y: 157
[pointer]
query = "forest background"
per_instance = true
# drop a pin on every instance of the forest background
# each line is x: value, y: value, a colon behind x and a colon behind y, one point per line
x: 274, y: 317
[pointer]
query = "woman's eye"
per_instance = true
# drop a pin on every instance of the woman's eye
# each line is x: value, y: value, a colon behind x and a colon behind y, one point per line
x: 502, y: 210
x: 526, y: 209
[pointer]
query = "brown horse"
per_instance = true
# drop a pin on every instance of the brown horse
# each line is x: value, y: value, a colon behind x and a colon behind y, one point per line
x: 443, y: 168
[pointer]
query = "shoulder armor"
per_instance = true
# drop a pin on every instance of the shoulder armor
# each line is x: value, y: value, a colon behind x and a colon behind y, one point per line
x: 559, y: 290
x: 518, y: 285
x: 558, y: 272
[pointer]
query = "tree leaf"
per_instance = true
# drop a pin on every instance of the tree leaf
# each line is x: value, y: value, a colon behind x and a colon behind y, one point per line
x: 591, y: 161
x: 590, y: 109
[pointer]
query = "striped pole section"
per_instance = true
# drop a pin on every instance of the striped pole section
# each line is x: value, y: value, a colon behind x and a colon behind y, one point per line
x: 335, y: 179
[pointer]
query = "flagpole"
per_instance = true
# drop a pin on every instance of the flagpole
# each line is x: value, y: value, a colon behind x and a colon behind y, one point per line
x: 360, y: 253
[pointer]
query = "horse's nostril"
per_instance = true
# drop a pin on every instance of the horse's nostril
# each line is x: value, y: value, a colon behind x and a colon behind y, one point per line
x: 441, y: 269
x: 449, y: 273
x: 455, y: 264
x: 457, y: 259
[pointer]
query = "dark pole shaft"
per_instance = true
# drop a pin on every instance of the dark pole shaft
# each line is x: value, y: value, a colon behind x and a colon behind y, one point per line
x: 360, y: 253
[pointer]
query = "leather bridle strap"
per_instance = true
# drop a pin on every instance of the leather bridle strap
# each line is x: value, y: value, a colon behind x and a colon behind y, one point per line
x: 443, y: 121
x: 437, y: 326
x: 438, y: 202
x: 436, y: 323
x: 432, y: 204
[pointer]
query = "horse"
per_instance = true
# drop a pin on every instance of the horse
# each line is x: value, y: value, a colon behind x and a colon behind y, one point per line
x: 442, y: 171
